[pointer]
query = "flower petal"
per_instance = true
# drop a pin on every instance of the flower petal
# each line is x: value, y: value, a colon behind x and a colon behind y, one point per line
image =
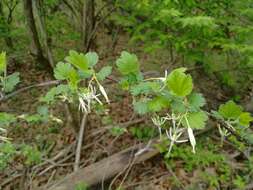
x: 192, y: 138
x: 102, y: 90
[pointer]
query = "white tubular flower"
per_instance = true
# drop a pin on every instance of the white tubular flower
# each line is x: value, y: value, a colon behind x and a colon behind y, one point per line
x: 163, y: 79
x: 102, y: 90
x: 174, y: 135
x: 223, y: 132
x: 86, y: 98
x: 191, y: 135
x: 158, y: 122
x: 82, y: 105
x: 192, y: 139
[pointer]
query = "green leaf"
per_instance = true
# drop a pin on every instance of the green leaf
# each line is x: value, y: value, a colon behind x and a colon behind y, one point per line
x: 124, y: 84
x: 62, y: 71
x: 196, y: 101
x: 230, y: 110
x: 85, y: 75
x: 140, y: 107
x: 73, y: 80
x: 54, y: 92
x: 11, y: 81
x: 92, y: 58
x: 245, y: 118
x: 158, y: 103
x: 78, y: 60
x: 196, y: 120
x: 217, y: 115
x: 198, y: 21
x: 32, y: 154
x: 179, y: 83
x: 117, y: 131
x: 6, y: 119
x: 104, y: 72
x: 141, y: 88
x: 35, y: 118
x: 2, y: 62
x: 178, y: 106
x: 144, y: 88
x: 128, y: 63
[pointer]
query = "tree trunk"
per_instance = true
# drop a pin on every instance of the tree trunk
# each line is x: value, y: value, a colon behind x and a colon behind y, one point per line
x: 88, y: 17
x: 37, y: 7
x: 7, y: 38
x: 36, y: 47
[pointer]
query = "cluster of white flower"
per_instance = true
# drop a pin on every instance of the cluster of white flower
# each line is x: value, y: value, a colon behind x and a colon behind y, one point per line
x: 90, y: 95
x: 175, y: 131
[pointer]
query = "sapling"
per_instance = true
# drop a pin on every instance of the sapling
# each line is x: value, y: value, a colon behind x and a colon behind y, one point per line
x: 7, y: 84
x: 83, y: 86
x: 233, y: 120
x: 173, y: 106
x: 170, y: 101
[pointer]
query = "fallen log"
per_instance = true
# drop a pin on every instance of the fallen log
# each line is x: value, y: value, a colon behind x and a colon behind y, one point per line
x: 109, y: 167
x: 104, y: 169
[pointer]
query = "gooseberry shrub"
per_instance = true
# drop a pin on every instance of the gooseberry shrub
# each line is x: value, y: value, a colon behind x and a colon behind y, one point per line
x: 173, y: 105
x: 175, y: 108
x: 83, y: 83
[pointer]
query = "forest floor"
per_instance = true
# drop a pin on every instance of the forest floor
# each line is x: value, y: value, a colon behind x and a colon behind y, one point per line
x: 98, y: 143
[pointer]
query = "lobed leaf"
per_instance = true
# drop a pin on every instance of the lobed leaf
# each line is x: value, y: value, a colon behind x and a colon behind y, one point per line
x: 11, y: 81
x: 54, y: 92
x: 144, y: 88
x: 230, y: 110
x: 196, y: 120
x: 158, y: 103
x: 80, y: 61
x: 245, y: 118
x: 128, y: 63
x: 62, y: 71
x: 179, y: 83
x: 92, y: 58
x: 104, y: 72
x: 140, y: 107
x: 196, y: 101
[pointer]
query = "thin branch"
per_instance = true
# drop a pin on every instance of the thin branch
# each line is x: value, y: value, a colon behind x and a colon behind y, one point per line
x: 96, y: 27
x: 79, y: 142
x: 234, y: 133
x: 48, y: 83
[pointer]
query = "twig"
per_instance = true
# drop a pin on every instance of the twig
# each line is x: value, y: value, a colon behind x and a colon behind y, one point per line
x: 79, y: 142
x: 107, y: 164
x: 56, y: 157
x: 129, y: 165
x: 234, y: 133
x: 48, y: 83
x: 95, y: 29
x: 123, y: 125
x: 55, y: 165
x: 152, y: 180
x: 9, y: 180
x: 51, y: 177
x: 127, y: 172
